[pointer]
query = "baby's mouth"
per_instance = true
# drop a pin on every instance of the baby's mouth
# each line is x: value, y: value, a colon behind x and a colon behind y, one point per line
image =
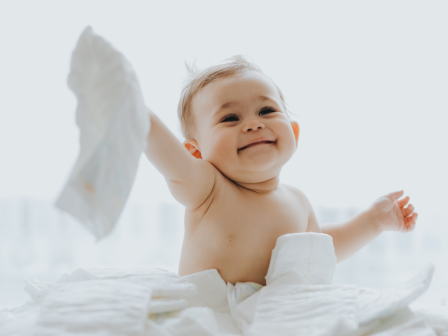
x: 261, y: 142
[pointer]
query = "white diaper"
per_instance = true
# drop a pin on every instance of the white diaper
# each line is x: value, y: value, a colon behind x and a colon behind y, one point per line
x: 299, y: 298
x: 240, y: 292
x: 113, y: 123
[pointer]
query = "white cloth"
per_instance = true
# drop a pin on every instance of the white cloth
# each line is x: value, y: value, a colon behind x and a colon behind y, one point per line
x: 298, y: 299
x: 109, y: 301
x: 101, y: 307
x: 113, y: 123
x: 436, y: 317
x: 168, y: 289
x: 162, y: 283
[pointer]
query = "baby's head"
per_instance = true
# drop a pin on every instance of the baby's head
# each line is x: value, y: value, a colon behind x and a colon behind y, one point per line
x: 234, y: 116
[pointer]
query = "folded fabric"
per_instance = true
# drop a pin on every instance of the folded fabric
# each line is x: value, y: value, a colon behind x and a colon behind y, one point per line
x: 374, y: 304
x: 103, y: 299
x: 436, y: 317
x: 97, y: 307
x: 20, y: 321
x: 113, y: 123
x: 240, y: 292
x: 197, y: 321
x: 162, y: 305
x: 414, y: 327
x: 305, y: 310
x: 298, y: 299
x: 163, y: 283
x: 308, y: 258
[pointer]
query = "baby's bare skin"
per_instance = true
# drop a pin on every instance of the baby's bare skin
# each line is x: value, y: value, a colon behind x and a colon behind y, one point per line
x: 228, y: 181
x: 235, y: 230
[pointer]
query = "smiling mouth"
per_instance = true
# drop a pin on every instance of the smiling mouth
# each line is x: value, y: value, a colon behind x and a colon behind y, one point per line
x: 263, y: 142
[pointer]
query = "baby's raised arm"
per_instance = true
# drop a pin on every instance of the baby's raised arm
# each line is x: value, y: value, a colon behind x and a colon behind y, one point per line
x: 190, y: 179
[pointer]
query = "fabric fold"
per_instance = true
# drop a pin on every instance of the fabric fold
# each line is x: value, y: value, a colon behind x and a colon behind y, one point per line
x: 299, y: 299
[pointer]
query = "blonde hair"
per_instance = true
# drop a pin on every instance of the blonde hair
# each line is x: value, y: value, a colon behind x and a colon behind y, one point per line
x: 197, y: 80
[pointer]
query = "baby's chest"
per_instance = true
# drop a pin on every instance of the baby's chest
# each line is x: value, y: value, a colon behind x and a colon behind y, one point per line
x: 270, y: 216
x: 237, y: 237
x: 235, y: 234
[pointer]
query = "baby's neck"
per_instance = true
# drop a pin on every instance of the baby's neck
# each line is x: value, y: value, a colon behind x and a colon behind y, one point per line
x: 261, y: 187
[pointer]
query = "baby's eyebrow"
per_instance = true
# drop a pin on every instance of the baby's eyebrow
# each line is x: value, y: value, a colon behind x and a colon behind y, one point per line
x: 234, y: 103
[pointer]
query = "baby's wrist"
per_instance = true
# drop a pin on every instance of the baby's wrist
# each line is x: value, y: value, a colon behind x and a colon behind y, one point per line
x: 374, y: 219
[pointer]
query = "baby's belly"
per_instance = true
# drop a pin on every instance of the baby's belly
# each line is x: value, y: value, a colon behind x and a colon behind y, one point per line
x: 237, y: 257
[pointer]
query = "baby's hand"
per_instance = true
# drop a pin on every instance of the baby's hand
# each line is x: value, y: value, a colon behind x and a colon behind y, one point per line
x: 391, y: 215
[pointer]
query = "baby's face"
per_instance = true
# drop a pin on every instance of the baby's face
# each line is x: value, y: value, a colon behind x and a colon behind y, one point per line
x: 242, y: 128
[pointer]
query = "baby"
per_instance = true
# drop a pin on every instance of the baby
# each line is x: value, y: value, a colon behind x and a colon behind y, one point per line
x: 227, y: 175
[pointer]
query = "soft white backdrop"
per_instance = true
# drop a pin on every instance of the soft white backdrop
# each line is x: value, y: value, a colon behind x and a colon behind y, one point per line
x: 367, y: 80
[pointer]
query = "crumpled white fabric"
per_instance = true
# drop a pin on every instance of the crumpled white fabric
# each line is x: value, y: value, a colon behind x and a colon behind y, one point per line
x: 375, y: 304
x: 113, y: 123
x: 169, y: 290
x: 111, y: 301
x: 20, y: 321
x: 198, y: 321
x: 94, y: 307
x: 436, y: 317
x: 163, y: 283
x: 305, y: 310
x: 414, y: 327
x: 299, y: 299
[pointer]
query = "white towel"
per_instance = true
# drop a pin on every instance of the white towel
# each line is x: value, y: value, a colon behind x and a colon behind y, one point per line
x: 113, y: 123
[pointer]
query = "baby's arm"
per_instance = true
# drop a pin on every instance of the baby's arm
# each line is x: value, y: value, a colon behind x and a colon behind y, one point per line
x: 387, y: 213
x: 190, y: 180
x: 352, y: 235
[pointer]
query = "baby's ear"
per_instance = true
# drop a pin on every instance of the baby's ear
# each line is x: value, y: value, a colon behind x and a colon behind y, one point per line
x: 192, y: 146
x: 296, y: 130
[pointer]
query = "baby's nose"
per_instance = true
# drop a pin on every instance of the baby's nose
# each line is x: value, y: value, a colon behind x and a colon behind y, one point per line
x: 253, y: 125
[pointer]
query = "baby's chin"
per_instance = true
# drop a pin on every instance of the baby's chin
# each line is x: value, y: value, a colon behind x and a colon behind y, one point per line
x: 252, y: 178
x: 253, y: 165
x: 251, y: 173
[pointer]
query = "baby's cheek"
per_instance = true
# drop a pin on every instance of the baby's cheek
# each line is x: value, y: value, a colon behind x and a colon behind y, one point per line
x: 216, y: 149
x: 287, y: 142
x: 223, y: 151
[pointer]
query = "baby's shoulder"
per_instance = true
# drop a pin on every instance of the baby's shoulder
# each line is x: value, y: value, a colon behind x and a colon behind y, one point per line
x: 313, y: 225
x: 298, y: 194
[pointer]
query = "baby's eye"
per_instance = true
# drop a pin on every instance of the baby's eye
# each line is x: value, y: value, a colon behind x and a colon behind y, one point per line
x: 266, y: 110
x: 230, y: 117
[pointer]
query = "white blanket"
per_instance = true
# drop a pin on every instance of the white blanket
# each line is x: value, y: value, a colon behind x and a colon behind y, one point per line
x: 298, y: 299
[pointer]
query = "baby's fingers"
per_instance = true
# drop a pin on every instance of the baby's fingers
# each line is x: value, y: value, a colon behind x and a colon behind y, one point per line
x: 394, y: 195
x: 403, y: 202
x: 408, y: 210
x: 409, y: 222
